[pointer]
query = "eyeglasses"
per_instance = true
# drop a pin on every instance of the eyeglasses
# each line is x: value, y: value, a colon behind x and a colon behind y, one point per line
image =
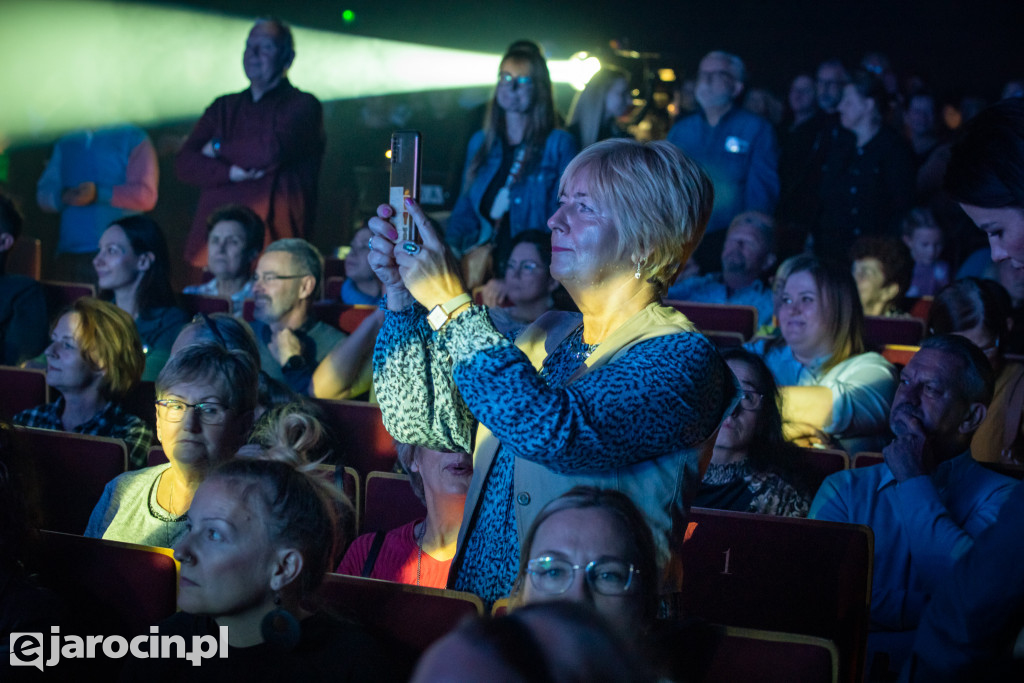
x: 268, y: 278
x: 720, y: 75
x: 607, y: 577
x: 751, y: 400
x: 515, y: 82
x: 527, y: 267
x: 209, y: 413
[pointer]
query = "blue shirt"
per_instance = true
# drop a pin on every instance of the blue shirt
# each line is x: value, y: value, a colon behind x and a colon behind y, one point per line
x: 351, y: 295
x: 711, y: 289
x: 921, y: 526
x: 741, y: 157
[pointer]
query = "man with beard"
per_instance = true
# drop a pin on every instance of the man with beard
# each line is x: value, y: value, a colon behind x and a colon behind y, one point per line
x: 285, y: 285
x: 736, y: 147
x: 929, y: 500
x: 748, y: 255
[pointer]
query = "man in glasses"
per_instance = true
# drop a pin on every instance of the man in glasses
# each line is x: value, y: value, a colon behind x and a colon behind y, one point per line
x: 735, y: 146
x: 285, y: 285
x: 929, y: 500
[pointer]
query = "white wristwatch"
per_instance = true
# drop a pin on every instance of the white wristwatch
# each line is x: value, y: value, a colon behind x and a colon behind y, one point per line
x: 442, y: 313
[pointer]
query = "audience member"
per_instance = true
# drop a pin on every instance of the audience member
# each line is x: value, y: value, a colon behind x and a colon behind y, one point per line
x: 596, y: 110
x: 748, y: 255
x: 205, y: 399
x: 925, y: 238
x: 95, y: 357
x: 133, y: 268
x: 801, y: 100
x: 831, y: 387
x: 234, y: 240
x: 421, y: 551
x: 929, y: 500
x: 751, y: 467
x: 557, y: 642
x: 361, y: 285
x: 259, y: 542
x: 919, y: 123
x: 512, y: 168
x: 867, y: 185
x: 592, y: 546
x: 607, y: 407
x: 1012, y: 280
x: 882, y: 269
x: 528, y: 284
x: 832, y: 79
x: 979, y: 310
x: 286, y: 283
x: 94, y: 178
x: 736, y: 147
x: 261, y: 148
x: 218, y: 328
x: 22, y: 302
x: 984, y: 176
x: 346, y: 372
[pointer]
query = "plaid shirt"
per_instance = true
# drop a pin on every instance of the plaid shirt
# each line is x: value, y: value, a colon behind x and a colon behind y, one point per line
x: 112, y: 422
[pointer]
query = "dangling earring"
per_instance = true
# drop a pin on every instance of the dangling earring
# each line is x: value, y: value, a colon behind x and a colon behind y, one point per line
x: 640, y: 264
x: 280, y: 628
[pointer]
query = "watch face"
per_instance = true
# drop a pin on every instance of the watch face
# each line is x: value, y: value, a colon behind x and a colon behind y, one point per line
x: 437, y: 317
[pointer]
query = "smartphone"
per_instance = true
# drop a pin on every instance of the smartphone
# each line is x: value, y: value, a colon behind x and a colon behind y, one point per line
x: 405, y: 181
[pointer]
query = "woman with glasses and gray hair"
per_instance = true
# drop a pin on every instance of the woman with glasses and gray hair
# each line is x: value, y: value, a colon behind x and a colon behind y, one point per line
x: 204, y: 410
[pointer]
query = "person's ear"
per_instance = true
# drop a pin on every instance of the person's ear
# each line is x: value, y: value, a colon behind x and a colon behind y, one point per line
x: 974, y: 416
x: 890, y: 292
x: 286, y: 567
x: 145, y: 261
x: 306, y: 286
x: 769, y: 262
x: 737, y: 88
x: 6, y: 241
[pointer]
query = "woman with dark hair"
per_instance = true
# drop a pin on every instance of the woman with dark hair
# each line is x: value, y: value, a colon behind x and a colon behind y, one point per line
x: 831, y: 387
x: 528, y: 283
x: 512, y: 165
x: 597, y: 108
x: 868, y: 184
x: 133, y: 269
x: 749, y: 471
x: 986, y: 176
x: 259, y: 540
x: 94, y: 359
x: 592, y: 546
x: 235, y: 235
x: 980, y: 310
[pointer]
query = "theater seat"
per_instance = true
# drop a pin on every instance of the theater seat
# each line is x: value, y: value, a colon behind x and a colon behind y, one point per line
x: 880, y: 330
x: 364, y: 443
x: 818, y: 463
x: 781, y: 574
x: 719, y: 317
x: 743, y: 654
x: 202, y: 303
x: 21, y: 389
x: 389, y: 502
x: 415, y: 616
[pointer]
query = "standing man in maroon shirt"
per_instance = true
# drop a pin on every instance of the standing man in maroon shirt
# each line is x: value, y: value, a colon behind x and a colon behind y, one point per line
x: 261, y: 147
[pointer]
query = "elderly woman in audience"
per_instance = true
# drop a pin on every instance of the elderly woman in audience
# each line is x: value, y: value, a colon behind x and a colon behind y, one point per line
x: 626, y: 395
x: 361, y: 285
x: 512, y: 166
x: 831, y: 387
x: 882, y: 269
x: 259, y: 540
x: 205, y: 399
x: 980, y: 311
x: 235, y: 235
x: 217, y: 328
x: 421, y: 551
x: 596, y: 111
x: 528, y: 283
x: 751, y: 468
x: 133, y: 268
x: 94, y: 359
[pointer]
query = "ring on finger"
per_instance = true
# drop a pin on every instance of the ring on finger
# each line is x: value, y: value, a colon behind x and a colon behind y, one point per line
x: 411, y: 248
x: 369, y: 244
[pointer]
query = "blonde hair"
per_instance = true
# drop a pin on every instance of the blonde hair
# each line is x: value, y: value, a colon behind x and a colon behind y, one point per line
x: 588, y: 109
x: 108, y: 339
x: 658, y: 198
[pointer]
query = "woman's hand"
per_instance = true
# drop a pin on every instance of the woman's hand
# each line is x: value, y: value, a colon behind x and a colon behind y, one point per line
x: 427, y: 270
x: 382, y: 258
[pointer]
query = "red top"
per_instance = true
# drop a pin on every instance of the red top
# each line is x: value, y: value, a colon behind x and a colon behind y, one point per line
x: 396, y: 560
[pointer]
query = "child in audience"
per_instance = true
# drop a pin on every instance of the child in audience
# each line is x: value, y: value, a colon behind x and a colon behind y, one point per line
x: 926, y: 240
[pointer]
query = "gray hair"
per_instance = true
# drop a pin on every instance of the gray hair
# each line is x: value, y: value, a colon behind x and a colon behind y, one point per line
x: 305, y: 254
x: 232, y: 371
x: 736, y: 65
x: 977, y: 381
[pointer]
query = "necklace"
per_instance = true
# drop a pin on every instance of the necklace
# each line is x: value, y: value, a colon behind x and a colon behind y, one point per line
x: 419, y: 550
x: 580, y: 349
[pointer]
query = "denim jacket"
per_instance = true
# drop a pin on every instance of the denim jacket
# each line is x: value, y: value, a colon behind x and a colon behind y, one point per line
x: 534, y: 197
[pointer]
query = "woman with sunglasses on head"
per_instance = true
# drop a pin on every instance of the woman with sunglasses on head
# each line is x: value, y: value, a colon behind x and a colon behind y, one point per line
x: 748, y: 470
x: 204, y: 410
x: 512, y: 167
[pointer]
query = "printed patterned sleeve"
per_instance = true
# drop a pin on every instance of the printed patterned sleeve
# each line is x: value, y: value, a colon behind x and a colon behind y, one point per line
x: 663, y: 395
x: 414, y: 385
